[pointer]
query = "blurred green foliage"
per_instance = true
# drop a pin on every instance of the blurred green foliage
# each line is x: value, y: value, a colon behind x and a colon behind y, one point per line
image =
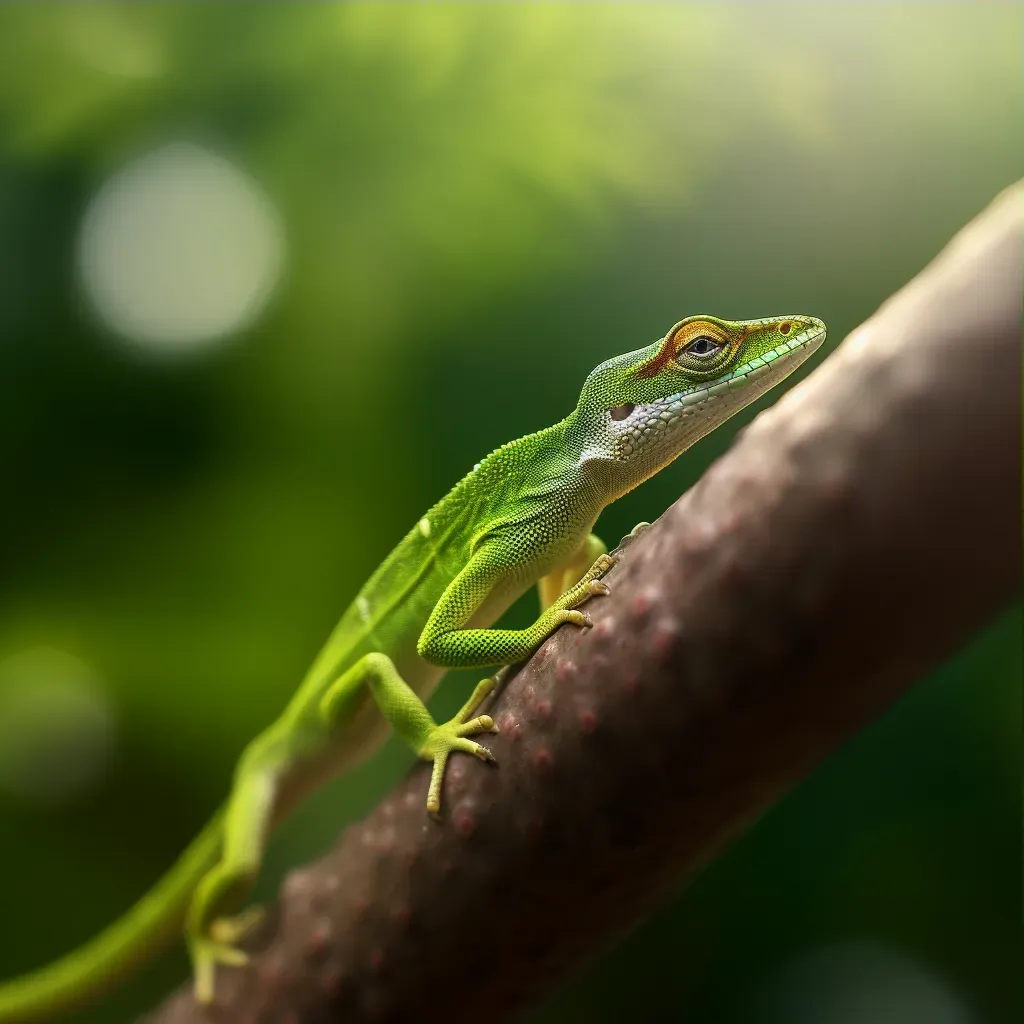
x: 479, y: 204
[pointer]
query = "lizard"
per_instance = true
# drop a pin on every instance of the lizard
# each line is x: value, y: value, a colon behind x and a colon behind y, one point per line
x: 524, y: 515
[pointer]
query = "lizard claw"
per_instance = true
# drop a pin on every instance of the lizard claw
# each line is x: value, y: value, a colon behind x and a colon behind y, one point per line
x: 483, y: 753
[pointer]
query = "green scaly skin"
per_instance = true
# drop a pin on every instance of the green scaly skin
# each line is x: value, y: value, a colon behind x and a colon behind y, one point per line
x: 522, y: 516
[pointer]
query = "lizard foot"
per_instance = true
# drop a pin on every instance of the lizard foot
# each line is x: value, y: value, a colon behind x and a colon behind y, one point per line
x: 591, y: 585
x: 206, y: 955
x: 452, y: 735
x: 220, y: 947
x: 601, y: 565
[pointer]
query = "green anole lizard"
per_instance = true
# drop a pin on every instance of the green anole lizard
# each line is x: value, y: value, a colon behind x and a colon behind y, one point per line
x: 523, y: 515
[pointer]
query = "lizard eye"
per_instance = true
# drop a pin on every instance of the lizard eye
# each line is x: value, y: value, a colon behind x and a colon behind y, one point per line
x: 703, y: 347
x: 620, y: 412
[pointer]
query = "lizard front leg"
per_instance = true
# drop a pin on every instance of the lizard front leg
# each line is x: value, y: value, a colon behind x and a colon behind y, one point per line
x: 447, y: 641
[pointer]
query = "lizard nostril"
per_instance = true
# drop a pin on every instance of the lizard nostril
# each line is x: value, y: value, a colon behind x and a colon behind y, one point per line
x: 620, y: 412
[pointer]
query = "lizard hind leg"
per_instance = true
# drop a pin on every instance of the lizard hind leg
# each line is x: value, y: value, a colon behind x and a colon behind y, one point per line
x: 213, y: 936
x: 409, y: 716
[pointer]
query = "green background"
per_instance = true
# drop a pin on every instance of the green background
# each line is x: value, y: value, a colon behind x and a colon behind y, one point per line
x: 477, y: 206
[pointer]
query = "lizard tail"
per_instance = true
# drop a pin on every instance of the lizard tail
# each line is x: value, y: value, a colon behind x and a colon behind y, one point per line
x: 120, y: 949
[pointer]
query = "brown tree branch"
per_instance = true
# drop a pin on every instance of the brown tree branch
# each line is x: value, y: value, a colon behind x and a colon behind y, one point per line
x: 857, y: 533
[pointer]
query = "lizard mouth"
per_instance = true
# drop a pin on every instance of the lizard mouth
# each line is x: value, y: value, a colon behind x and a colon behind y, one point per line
x: 799, y: 346
x: 656, y: 424
x: 769, y: 365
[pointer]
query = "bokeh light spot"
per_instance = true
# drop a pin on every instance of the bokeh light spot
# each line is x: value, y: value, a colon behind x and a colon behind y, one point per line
x: 859, y: 983
x: 179, y: 249
x: 57, y: 727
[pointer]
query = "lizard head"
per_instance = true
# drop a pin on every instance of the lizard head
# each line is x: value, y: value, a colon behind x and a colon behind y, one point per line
x: 640, y: 410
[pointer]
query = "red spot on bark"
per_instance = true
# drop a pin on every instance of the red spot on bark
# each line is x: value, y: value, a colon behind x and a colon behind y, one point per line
x: 376, y: 959
x: 403, y: 915
x: 543, y: 758
x: 359, y: 909
x: 664, y: 639
x: 588, y: 721
x: 318, y: 943
x: 631, y: 683
x: 508, y: 726
x: 564, y: 669
x: 641, y: 604
x: 464, y: 821
x: 543, y: 708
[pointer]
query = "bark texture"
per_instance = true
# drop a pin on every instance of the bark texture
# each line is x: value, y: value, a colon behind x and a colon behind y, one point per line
x: 857, y: 533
